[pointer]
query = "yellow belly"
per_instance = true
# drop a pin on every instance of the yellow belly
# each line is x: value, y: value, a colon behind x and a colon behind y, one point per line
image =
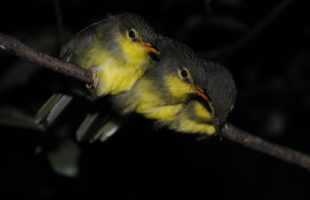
x: 115, y: 74
x: 163, y: 113
x: 201, y: 112
x: 194, y: 119
x: 191, y: 126
x: 150, y: 106
x: 114, y: 78
x: 145, y: 100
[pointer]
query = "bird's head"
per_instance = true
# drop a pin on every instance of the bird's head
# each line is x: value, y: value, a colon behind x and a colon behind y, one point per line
x: 220, y: 90
x: 188, y: 76
x: 133, y: 35
x: 183, y: 73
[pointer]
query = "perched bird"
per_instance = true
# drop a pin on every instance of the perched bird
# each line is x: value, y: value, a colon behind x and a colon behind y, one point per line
x: 166, y: 93
x: 118, y: 49
x: 197, y: 100
x: 199, y: 117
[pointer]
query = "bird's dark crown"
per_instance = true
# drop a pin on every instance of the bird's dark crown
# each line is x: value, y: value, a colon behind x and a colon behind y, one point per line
x: 221, y: 88
x: 127, y: 21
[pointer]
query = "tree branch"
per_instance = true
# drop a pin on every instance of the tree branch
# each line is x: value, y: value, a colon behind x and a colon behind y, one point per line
x: 228, y: 51
x: 283, y: 153
x: 11, y: 44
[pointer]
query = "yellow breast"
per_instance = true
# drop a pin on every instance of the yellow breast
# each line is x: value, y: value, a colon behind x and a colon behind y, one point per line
x: 183, y: 123
x: 163, y: 113
x: 202, y: 112
x: 191, y: 126
x: 146, y: 101
x: 115, y: 77
x: 115, y: 73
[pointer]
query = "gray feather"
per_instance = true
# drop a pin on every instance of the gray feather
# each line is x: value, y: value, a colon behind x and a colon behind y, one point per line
x: 52, y: 108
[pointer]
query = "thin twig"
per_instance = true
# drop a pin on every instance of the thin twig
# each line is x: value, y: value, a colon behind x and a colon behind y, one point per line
x: 227, y: 51
x: 12, y: 45
x: 283, y: 153
x: 59, y: 23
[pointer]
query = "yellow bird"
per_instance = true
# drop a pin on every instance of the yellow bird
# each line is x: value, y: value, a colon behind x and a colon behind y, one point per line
x: 199, y: 117
x: 164, y: 92
x: 118, y: 49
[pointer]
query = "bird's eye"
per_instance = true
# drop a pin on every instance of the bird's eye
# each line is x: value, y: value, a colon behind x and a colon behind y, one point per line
x: 184, y: 73
x: 131, y: 34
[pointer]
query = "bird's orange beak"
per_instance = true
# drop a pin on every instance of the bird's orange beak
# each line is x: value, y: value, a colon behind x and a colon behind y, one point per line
x: 149, y: 47
x: 202, y: 93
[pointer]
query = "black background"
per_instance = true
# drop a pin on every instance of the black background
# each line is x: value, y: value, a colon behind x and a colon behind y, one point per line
x: 271, y: 71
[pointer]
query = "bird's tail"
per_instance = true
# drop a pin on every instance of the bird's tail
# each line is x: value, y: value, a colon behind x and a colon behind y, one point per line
x: 98, y: 126
x: 52, y: 108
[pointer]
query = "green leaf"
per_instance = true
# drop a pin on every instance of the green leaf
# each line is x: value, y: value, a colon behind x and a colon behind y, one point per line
x: 11, y: 116
x: 64, y: 160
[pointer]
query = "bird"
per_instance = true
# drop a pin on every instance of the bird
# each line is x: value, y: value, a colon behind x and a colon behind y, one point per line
x: 207, y: 119
x: 118, y: 50
x: 166, y: 92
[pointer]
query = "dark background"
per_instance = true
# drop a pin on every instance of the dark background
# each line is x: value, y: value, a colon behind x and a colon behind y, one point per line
x: 265, y: 44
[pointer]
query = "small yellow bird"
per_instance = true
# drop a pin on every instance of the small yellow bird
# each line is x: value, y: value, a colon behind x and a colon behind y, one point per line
x: 164, y: 92
x: 118, y: 49
x: 199, y: 117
